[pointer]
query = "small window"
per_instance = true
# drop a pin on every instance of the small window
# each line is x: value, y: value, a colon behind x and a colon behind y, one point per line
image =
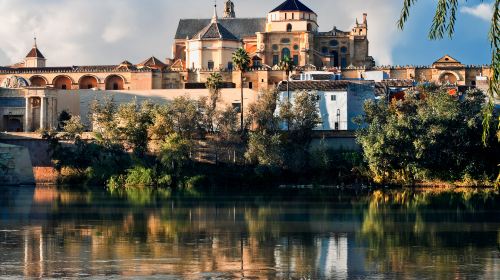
x: 237, y: 107
x: 289, y: 28
x: 343, y: 49
x: 262, y: 80
x: 275, y: 47
x: 296, y: 60
x: 210, y: 65
x: 293, y: 15
x: 334, y: 97
x: 336, y: 126
x: 230, y: 66
x: 296, y: 47
x: 309, y: 27
x: 250, y: 85
x: 473, y: 83
x: 285, y: 15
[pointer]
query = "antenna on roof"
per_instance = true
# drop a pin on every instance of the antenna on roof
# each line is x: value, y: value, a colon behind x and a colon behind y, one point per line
x: 214, y: 18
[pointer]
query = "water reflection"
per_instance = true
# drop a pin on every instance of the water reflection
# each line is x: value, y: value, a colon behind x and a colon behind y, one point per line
x: 46, y: 232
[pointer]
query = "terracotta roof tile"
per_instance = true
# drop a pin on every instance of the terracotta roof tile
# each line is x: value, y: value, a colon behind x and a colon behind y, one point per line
x: 35, y: 53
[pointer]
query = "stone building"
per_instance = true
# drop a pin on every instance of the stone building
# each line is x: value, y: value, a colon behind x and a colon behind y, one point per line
x: 202, y: 46
x: 291, y: 29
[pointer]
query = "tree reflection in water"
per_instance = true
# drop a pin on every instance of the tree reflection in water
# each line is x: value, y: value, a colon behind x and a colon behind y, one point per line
x: 62, y: 233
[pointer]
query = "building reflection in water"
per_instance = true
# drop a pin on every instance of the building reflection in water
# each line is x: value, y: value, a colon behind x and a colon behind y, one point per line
x: 77, y: 234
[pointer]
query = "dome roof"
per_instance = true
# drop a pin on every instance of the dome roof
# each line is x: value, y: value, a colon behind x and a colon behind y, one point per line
x: 293, y: 5
x: 15, y: 82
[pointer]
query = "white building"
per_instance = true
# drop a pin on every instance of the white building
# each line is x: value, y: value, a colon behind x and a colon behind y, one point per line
x: 339, y: 101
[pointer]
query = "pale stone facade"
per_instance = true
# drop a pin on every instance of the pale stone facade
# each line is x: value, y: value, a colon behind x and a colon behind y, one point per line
x: 202, y: 46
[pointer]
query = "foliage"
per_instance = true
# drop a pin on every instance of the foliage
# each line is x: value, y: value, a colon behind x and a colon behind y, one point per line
x: 437, y: 137
x: 241, y: 60
x: 265, y: 149
x: 132, y: 126
x: 444, y: 21
x: 64, y: 116
x: 262, y: 113
x: 209, y: 105
x: 175, y: 152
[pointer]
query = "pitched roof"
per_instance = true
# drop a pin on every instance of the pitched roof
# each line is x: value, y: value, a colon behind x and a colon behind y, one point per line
x: 215, y: 31
x: 35, y: 53
x: 239, y: 27
x: 292, y: 5
x: 153, y: 62
x: 446, y: 59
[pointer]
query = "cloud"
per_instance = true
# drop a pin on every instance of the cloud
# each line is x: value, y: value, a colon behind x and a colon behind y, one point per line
x: 483, y: 11
x: 82, y: 32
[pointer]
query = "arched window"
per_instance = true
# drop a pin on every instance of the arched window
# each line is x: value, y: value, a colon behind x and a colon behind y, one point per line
x: 334, y: 59
x: 309, y: 27
x: 285, y: 52
x: 289, y: 28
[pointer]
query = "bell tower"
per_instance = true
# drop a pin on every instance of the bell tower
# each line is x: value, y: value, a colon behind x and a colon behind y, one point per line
x: 229, y: 9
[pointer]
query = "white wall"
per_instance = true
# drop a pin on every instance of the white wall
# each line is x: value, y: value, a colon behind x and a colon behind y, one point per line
x: 338, y: 106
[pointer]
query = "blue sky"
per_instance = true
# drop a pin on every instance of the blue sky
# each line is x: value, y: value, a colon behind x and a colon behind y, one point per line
x: 82, y: 32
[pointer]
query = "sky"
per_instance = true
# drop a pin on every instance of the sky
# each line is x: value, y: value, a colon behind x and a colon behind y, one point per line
x: 90, y: 32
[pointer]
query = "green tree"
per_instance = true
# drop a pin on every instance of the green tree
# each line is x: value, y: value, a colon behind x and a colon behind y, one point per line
x: 302, y: 116
x: 132, y: 122
x: 209, y: 105
x: 102, y: 116
x: 241, y: 60
x: 184, y: 117
x: 436, y: 137
x: 444, y: 24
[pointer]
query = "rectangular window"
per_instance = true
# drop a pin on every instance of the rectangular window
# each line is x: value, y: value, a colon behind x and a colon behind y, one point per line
x: 230, y: 66
x: 293, y: 15
x: 210, y: 65
x: 334, y: 97
x: 276, y: 59
x: 296, y: 60
x: 250, y: 85
x: 237, y: 107
x: 336, y: 126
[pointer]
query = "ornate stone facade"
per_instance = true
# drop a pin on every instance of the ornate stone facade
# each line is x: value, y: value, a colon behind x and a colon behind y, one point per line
x: 202, y: 46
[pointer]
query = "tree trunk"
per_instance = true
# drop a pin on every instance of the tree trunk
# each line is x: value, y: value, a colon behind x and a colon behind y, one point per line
x: 241, y: 108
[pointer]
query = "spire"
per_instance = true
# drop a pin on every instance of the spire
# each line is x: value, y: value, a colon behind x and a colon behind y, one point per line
x: 215, y: 18
x: 34, y: 45
x: 229, y: 9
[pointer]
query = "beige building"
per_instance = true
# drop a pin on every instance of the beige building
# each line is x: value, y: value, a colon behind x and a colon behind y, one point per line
x: 202, y: 46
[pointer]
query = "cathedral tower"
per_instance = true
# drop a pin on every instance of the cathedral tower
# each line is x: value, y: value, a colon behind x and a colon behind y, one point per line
x: 35, y: 58
x: 229, y: 10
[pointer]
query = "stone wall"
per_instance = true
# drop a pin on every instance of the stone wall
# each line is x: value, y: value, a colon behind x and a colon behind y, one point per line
x: 15, y: 166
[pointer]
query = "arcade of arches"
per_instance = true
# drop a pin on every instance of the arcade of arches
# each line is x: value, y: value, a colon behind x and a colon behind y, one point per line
x: 38, y: 81
x: 115, y: 82
x: 88, y: 82
x: 62, y: 82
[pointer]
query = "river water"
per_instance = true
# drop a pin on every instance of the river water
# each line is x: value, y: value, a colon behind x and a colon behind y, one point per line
x: 50, y: 233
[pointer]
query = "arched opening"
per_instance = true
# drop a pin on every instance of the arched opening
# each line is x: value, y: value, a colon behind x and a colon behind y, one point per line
x: 289, y: 27
x: 38, y: 81
x: 88, y: 82
x: 309, y: 27
x: 334, y: 59
x: 285, y: 52
x: 62, y: 82
x: 448, y: 78
x: 115, y: 82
